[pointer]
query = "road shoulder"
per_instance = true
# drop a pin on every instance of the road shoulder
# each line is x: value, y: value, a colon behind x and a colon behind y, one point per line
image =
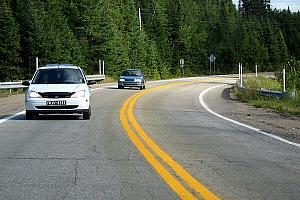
x: 11, y: 105
x: 283, y: 125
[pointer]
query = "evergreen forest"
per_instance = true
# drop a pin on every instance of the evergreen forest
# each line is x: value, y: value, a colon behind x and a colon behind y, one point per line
x: 83, y: 31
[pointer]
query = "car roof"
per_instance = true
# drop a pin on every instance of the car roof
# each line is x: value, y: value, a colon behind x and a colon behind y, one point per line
x: 57, y: 66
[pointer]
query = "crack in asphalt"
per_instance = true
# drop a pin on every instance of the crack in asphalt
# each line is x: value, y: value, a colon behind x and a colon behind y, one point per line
x: 76, y: 173
x: 43, y: 159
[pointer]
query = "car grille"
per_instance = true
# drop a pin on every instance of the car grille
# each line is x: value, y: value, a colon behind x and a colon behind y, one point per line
x: 129, y: 79
x: 57, y: 107
x: 56, y: 95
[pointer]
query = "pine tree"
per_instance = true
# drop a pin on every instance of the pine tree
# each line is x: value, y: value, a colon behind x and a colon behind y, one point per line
x: 9, y: 43
x: 259, y: 8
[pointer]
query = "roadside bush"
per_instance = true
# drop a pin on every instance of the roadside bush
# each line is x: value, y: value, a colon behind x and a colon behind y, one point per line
x: 261, y: 82
x: 292, y: 75
x: 250, y: 95
x: 10, y: 74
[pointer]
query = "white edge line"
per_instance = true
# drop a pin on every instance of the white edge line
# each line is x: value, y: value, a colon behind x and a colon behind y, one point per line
x: 12, y: 116
x: 23, y: 112
x: 202, y: 102
x: 95, y: 89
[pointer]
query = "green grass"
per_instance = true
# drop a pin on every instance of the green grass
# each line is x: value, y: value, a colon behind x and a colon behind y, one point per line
x: 262, y: 82
x: 289, y: 105
x: 109, y: 79
x: 7, y: 92
x: 285, y: 105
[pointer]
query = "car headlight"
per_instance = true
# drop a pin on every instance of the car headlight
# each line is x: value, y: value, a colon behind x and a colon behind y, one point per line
x: 78, y: 94
x: 137, y: 80
x: 122, y: 79
x: 33, y: 94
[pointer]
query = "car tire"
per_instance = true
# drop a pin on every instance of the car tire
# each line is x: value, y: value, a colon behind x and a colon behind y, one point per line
x: 120, y: 87
x: 142, y: 87
x: 30, y: 115
x: 87, y: 114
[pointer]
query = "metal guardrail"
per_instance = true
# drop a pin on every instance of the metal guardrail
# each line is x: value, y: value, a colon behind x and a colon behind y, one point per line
x: 263, y: 92
x: 95, y: 77
x: 16, y: 85
x: 11, y: 85
x: 270, y: 93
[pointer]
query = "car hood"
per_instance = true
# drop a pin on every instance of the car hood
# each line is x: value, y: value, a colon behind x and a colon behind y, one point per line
x: 57, y: 87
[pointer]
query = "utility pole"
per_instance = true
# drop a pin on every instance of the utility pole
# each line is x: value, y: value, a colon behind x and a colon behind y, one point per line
x: 140, y: 19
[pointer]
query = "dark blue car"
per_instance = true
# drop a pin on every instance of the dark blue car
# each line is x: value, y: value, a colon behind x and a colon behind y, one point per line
x: 132, y: 78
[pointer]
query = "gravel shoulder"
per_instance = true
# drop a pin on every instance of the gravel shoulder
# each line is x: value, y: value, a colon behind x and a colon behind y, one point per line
x: 11, y: 105
x: 283, y: 125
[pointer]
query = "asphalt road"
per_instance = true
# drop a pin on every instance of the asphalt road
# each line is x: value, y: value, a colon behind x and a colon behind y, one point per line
x: 65, y: 157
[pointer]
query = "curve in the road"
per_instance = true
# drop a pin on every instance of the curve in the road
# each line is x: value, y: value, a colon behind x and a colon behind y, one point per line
x: 202, y: 102
x: 134, y: 131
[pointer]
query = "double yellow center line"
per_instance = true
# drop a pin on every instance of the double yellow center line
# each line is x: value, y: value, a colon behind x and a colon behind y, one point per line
x: 179, y: 180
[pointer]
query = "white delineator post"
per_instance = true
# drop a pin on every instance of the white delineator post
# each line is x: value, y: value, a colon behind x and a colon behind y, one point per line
x: 103, y: 69
x: 241, y: 75
x: 100, y: 67
x: 283, y: 74
x: 140, y: 19
x: 256, y: 70
x: 36, y: 63
x: 239, y: 71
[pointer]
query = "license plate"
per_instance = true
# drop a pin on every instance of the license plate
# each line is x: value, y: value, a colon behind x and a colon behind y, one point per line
x: 56, y: 103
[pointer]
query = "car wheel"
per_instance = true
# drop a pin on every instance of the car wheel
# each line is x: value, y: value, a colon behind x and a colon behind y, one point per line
x: 120, y: 87
x: 29, y: 115
x: 87, y: 114
x: 142, y: 87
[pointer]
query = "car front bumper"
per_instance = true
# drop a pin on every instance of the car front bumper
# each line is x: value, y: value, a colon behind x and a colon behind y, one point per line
x: 73, y: 105
x: 130, y: 84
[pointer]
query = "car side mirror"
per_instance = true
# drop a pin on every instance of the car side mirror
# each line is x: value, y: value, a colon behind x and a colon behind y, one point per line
x: 25, y: 83
x: 91, y: 82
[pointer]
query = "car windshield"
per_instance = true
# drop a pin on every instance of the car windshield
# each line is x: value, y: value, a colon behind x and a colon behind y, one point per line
x: 58, y: 76
x: 132, y: 73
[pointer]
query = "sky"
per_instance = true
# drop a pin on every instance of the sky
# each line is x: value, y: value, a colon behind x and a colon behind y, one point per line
x: 283, y: 4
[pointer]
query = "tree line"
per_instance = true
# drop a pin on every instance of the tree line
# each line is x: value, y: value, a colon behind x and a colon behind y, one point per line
x: 82, y: 32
